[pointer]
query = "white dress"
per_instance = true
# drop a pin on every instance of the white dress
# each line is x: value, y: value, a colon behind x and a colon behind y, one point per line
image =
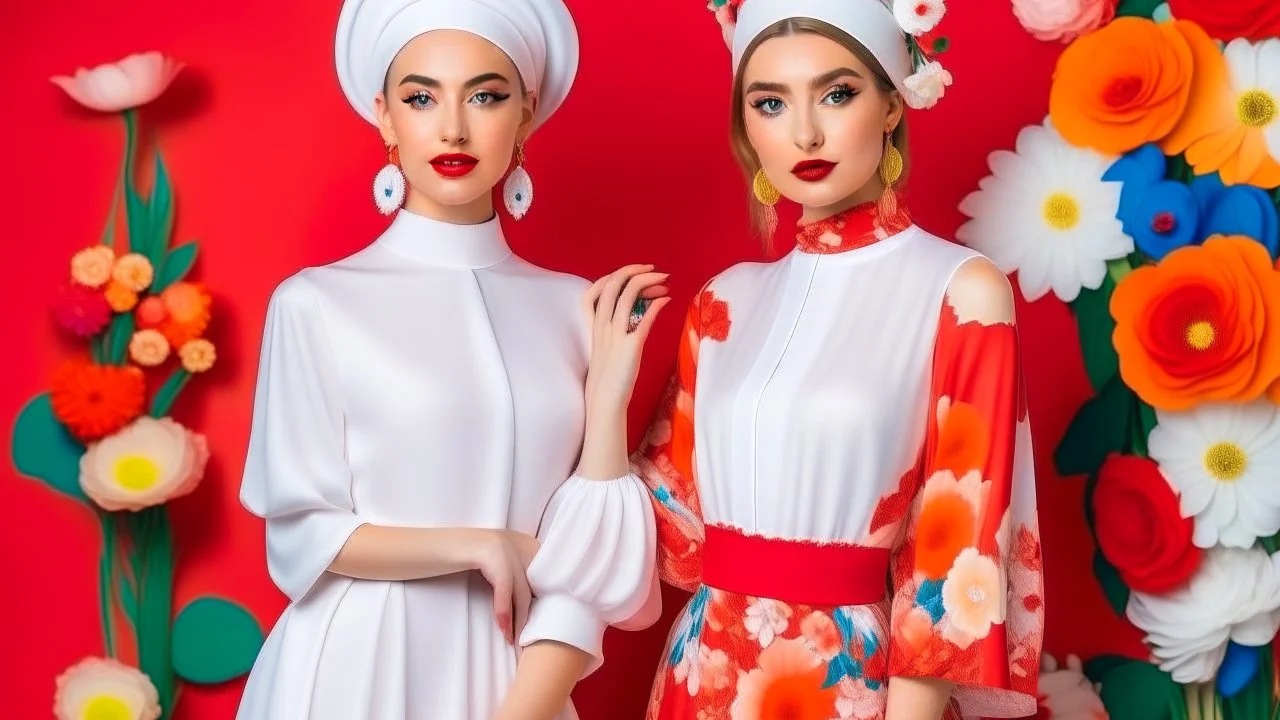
x: 432, y: 379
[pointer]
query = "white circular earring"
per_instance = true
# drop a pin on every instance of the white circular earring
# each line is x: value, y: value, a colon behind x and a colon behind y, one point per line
x: 517, y: 191
x: 389, y: 185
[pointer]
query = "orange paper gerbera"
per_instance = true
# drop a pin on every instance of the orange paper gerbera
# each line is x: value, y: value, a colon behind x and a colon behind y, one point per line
x: 1202, y: 325
x: 94, y: 401
x: 187, y: 305
x: 1223, y: 128
x: 1124, y: 85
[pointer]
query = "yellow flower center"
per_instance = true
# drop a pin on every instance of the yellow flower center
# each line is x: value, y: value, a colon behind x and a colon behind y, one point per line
x: 1061, y: 211
x: 1225, y: 461
x: 1200, y: 335
x: 107, y: 707
x: 137, y: 472
x: 1256, y: 108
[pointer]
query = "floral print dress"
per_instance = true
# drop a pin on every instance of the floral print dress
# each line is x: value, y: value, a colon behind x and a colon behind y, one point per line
x: 861, y: 396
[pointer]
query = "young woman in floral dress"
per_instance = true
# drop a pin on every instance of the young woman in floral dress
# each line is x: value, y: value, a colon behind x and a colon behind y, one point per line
x: 842, y: 466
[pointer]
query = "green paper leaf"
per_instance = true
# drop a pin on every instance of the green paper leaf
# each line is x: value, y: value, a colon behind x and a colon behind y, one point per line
x: 1100, y: 427
x: 1097, y: 667
x: 45, y: 450
x: 162, y: 403
x: 138, y: 218
x: 121, y: 334
x: 1139, y: 691
x: 1144, y: 421
x: 177, y: 262
x: 160, y: 213
x: 1112, y: 586
x: 1095, y: 325
x: 941, y: 45
x: 214, y: 640
x: 1090, y: 518
x: 1138, y: 8
x: 1271, y: 544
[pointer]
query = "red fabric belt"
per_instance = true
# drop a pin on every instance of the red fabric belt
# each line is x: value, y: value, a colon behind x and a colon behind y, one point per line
x: 794, y: 571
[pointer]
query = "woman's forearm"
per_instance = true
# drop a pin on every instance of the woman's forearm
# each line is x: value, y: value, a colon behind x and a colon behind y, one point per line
x: 604, y: 447
x: 917, y: 698
x: 545, y: 676
x: 380, y: 552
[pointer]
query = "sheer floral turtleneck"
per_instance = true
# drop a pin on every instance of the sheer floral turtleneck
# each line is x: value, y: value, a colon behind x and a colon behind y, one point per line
x: 863, y: 392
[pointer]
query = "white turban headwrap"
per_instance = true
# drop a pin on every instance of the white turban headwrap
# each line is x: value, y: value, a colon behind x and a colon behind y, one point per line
x: 538, y: 35
x: 869, y: 22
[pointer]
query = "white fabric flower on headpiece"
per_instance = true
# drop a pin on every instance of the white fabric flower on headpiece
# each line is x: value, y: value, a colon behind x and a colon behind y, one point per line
x: 918, y: 17
x: 926, y: 86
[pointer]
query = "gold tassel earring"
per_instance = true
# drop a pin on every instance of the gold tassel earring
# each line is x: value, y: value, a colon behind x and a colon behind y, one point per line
x: 891, y: 165
x: 767, y: 195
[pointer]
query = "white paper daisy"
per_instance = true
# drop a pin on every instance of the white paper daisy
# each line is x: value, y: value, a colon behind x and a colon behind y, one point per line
x: 1233, y: 596
x: 104, y: 688
x: 1045, y: 212
x: 1223, y: 459
x: 1255, y: 77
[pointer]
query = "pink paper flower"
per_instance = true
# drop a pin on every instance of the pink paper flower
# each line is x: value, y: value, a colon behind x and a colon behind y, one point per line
x: 1063, y: 20
x: 102, y: 688
x: 149, y: 462
x: 82, y: 310
x: 134, y: 81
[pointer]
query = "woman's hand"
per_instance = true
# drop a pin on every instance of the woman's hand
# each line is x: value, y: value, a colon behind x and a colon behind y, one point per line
x: 618, y: 333
x: 503, y: 557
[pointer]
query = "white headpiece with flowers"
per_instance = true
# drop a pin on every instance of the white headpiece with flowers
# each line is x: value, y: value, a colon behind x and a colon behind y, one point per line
x: 890, y: 32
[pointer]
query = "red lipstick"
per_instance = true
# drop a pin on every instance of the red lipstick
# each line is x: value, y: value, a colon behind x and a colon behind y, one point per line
x: 813, y: 170
x: 453, y: 165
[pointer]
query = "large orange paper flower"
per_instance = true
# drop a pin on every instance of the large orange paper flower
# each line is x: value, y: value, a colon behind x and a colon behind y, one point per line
x: 1124, y: 85
x: 1224, y: 127
x: 96, y: 400
x: 1202, y: 325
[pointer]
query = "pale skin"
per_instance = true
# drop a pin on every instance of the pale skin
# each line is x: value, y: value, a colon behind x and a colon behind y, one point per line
x: 808, y: 97
x: 451, y: 92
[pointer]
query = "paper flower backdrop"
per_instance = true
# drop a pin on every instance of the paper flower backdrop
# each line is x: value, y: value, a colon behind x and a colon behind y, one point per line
x: 102, y: 434
x: 1148, y: 201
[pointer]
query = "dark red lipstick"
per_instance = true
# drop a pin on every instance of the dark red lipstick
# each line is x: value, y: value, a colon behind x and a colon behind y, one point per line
x: 453, y: 165
x: 813, y: 170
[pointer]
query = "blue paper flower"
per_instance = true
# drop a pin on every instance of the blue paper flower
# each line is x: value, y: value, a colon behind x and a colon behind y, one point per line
x: 1236, y: 210
x: 1160, y: 215
x: 1238, y: 667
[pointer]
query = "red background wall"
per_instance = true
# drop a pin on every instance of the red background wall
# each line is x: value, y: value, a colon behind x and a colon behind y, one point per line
x: 272, y: 171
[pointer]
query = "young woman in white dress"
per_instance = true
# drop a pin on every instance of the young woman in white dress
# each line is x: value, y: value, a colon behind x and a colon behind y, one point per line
x: 420, y: 406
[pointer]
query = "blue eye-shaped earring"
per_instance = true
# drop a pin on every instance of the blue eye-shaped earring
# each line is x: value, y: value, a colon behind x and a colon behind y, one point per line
x: 517, y: 191
x: 389, y: 185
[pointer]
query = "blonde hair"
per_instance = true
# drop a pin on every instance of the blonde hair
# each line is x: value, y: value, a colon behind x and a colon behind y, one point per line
x: 742, y: 150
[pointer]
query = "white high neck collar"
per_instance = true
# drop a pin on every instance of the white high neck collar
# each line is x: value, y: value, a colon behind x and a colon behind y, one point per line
x: 436, y: 242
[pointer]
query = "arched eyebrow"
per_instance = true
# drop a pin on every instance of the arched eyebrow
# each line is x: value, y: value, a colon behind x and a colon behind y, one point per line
x: 832, y: 75
x: 435, y: 84
x: 817, y: 83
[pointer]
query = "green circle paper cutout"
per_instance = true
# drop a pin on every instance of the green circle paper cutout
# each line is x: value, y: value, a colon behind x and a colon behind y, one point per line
x: 214, y: 640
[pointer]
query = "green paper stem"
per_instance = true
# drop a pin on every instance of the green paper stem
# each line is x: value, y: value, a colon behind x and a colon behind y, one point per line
x: 106, y: 579
x: 163, y: 401
x: 120, y: 333
x: 153, y: 547
x: 1119, y: 269
x: 159, y: 213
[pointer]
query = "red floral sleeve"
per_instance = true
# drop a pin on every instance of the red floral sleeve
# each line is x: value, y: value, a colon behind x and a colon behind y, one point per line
x: 666, y: 460
x: 967, y: 601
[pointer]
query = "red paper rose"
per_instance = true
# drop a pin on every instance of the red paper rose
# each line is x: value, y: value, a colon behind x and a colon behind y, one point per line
x: 1140, y: 528
x: 1252, y: 19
